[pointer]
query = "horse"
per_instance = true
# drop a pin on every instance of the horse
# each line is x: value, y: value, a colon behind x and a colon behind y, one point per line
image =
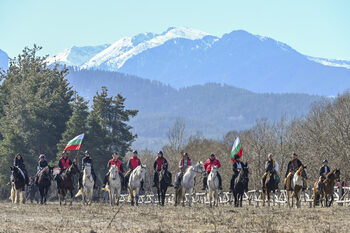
x: 32, y: 190
x: 17, y: 185
x: 187, y: 183
x: 114, y: 185
x: 87, y: 185
x: 163, y: 183
x: 326, y: 189
x: 134, y: 185
x: 271, y: 185
x: 66, y: 182
x: 44, y: 183
x: 241, y: 185
x: 294, y: 188
x: 213, y: 186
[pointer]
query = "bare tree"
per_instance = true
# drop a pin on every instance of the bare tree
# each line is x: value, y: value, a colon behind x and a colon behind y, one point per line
x: 177, y: 136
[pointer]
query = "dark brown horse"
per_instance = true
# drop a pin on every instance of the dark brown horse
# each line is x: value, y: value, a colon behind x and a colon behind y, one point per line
x: 271, y: 185
x: 241, y: 185
x: 163, y: 183
x: 44, y: 183
x: 66, y: 182
x: 17, y: 185
x: 326, y: 189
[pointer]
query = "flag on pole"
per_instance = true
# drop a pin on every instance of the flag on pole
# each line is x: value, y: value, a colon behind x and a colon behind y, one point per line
x: 75, y: 143
x: 237, y: 149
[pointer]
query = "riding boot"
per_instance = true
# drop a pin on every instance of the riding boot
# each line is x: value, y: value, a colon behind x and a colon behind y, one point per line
x: 220, y: 181
x: 205, y: 179
x: 141, y: 188
x: 94, y: 178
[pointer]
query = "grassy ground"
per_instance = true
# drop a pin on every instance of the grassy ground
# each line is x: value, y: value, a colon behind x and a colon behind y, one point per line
x: 199, y: 218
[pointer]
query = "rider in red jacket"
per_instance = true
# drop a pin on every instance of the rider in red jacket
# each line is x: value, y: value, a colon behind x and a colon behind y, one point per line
x: 158, y: 166
x: 133, y: 162
x: 212, y: 161
x: 114, y: 161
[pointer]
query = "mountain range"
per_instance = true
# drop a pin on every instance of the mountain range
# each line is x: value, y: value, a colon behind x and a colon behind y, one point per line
x: 212, y: 109
x: 184, y: 57
x: 3, y: 60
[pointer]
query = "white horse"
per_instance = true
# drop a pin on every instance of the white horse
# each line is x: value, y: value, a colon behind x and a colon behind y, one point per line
x: 187, y: 183
x: 114, y: 185
x: 134, y: 185
x: 213, y: 186
x: 296, y: 186
x: 88, y: 185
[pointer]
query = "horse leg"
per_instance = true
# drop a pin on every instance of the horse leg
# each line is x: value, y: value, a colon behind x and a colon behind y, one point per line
x: 41, y: 190
x: 158, y: 192
x: 111, y: 196
x: 210, y: 196
x: 263, y: 196
x: 71, y: 197
x: 190, y: 197
x: 241, y: 199
x: 118, y: 195
x: 332, y: 199
x: 137, y: 196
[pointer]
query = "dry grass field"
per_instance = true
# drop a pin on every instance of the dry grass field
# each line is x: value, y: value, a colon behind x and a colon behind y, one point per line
x: 199, y: 218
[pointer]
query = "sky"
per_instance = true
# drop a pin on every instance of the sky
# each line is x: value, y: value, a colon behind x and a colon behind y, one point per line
x: 318, y: 28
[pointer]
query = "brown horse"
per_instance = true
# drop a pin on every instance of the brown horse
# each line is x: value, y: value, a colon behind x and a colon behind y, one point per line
x: 326, y: 189
x: 271, y: 185
x: 66, y: 182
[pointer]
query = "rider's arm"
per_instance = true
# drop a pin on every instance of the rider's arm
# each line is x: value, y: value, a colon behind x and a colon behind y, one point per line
x: 60, y: 164
x: 219, y: 164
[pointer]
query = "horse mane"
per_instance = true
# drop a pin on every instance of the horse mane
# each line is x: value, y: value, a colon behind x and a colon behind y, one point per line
x: 301, y: 168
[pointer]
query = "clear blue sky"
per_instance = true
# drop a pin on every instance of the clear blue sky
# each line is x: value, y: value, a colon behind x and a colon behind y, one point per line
x: 314, y: 27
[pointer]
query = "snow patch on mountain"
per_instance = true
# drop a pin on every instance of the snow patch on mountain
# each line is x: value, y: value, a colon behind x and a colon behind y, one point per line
x: 331, y: 62
x: 118, y: 53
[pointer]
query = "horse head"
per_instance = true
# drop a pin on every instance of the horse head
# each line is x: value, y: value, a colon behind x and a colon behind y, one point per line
x: 143, y: 171
x: 337, y: 174
x: 214, y: 169
x: 113, y: 172
x: 199, y: 167
x: 165, y: 166
x: 87, y: 170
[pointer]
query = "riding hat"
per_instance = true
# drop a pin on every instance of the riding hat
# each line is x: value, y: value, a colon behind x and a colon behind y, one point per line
x: 135, y: 152
x: 41, y: 156
x: 185, y: 154
x: 160, y: 152
x: 87, y: 152
x: 325, y: 161
x: 237, y: 157
x: 294, y: 154
x: 212, y: 155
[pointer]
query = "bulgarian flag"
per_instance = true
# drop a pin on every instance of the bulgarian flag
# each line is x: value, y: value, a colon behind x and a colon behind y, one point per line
x: 75, y: 143
x: 237, y: 149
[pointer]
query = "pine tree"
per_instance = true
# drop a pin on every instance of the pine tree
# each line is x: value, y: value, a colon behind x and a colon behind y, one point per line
x: 34, y: 107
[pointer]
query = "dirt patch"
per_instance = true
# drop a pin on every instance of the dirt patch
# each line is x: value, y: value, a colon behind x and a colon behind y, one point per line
x: 199, y: 218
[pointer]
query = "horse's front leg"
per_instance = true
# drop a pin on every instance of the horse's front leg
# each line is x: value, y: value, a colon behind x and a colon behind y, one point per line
x: 71, y: 197
x: 111, y: 196
x: 190, y: 197
x: 241, y: 200
x: 118, y: 194
x: 137, y: 196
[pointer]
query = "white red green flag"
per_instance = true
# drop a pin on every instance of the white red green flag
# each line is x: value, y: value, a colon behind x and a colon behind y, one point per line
x: 75, y: 143
x: 237, y: 149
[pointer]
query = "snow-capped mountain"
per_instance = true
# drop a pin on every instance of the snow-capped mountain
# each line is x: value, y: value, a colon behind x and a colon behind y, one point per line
x: 3, y: 60
x: 184, y: 57
x: 77, y: 56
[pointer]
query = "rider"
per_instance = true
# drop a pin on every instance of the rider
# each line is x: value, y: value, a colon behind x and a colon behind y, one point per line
x: 87, y: 159
x: 157, y: 166
x: 133, y: 162
x: 324, y: 170
x: 183, y: 164
x: 63, y: 164
x: 211, y: 161
x: 114, y: 161
x: 237, y: 167
x: 19, y: 162
x: 292, y: 167
x: 41, y: 164
x: 272, y: 166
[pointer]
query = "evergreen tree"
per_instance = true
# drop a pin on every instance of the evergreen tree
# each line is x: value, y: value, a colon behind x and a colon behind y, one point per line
x: 34, y: 108
x: 108, y: 130
x: 77, y: 123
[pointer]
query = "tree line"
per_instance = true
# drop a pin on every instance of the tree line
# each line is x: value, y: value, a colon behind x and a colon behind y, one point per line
x: 40, y: 113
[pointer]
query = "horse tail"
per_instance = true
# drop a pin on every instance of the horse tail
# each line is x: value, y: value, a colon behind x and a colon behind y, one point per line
x: 79, y: 193
x: 13, y: 192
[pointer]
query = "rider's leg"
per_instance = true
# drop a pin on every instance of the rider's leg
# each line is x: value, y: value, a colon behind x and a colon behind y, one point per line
x: 94, y: 178
x: 220, y: 181
x: 122, y: 180
x: 205, y: 180
x: 232, y: 184
x: 155, y: 179
x: 177, y: 180
x: 105, y: 180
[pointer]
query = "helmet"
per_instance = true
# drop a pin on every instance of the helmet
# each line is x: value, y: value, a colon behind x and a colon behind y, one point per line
x: 237, y: 157
x: 41, y: 156
x: 160, y: 152
x: 64, y: 152
x: 87, y: 152
x: 185, y: 154
x: 325, y: 161
x: 212, y: 155
x: 135, y: 152
x: 295, y: 155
